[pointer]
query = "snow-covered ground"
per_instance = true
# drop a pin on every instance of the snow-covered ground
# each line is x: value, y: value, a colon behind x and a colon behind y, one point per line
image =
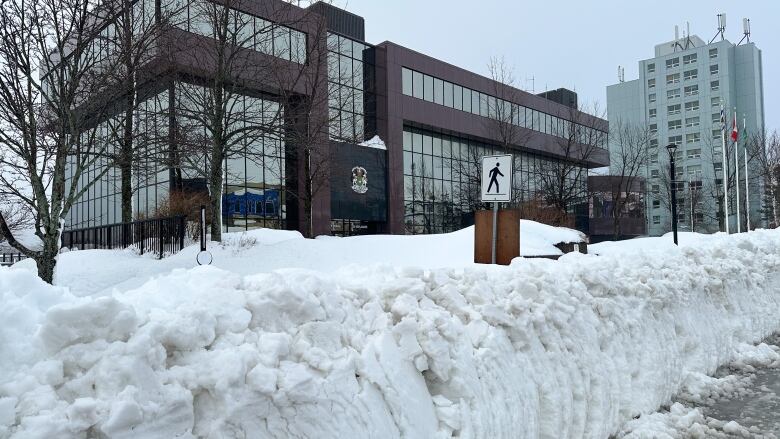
x: 375, y: 337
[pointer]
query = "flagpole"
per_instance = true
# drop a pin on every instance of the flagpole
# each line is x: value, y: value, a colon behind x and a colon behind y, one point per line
x: 736, y: 170
x: 747, y: 181
x: 723, y: 170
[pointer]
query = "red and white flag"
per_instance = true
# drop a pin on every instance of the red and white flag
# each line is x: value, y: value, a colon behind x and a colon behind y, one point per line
x: 735, y: 132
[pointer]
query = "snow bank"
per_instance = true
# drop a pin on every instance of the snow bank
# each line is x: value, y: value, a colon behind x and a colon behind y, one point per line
x: 540, y: 349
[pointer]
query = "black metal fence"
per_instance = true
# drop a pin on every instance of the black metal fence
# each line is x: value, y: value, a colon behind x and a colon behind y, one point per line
x: 11, y: 258
x: 162, y: 236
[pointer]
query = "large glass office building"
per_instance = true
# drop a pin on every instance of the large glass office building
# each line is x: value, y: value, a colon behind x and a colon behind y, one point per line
x: 431, y: 118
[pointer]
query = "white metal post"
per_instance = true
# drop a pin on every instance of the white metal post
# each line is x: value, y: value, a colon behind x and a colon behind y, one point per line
x: 736, y: 170
x: 494, y: 238
x: 725, y: 176
x: 747, y: 181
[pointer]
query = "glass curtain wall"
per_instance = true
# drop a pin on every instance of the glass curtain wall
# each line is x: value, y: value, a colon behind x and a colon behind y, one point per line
x: 441, y: 179
x: 101, y: 203
x: 254, y: 169
x: 346, y: 88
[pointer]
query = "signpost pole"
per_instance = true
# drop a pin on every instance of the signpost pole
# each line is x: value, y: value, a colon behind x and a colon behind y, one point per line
x: 494, y: 238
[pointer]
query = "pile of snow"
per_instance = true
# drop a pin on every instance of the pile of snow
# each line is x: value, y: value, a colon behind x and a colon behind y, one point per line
x: 540, y: 349
x: 266, y: 250
x: 374, y: 142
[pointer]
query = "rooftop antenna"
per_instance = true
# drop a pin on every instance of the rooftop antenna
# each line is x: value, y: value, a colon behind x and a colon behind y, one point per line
x: 676, y: 43
x: 533, y: 83
x: 688, y: 41
x: 745, y: 30
x: 721, y: 28
x: 621, y: 74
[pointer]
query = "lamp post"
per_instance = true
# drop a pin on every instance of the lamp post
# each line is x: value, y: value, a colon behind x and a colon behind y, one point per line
x: 672, y: 148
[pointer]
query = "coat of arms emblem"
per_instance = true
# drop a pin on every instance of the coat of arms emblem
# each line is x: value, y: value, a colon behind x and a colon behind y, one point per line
x: 359, y: 180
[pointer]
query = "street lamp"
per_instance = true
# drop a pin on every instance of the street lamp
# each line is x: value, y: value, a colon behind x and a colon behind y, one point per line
x: 672, y: 148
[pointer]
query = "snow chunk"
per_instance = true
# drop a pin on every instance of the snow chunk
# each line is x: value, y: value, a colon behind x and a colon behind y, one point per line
x: 374, y: 142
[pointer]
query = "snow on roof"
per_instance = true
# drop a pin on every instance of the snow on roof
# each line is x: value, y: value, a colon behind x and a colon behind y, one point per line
x: 374, y: 142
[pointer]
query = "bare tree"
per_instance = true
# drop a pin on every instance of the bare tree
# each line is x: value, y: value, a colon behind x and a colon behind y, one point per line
x: 765, y: 148
x: 49, y: 70
x: 563, y: 182
x: 17, y: 217
x: 503, y: 121
x: 133, y: 42
x: 309, y: 122
x: 214, y: 123
x: 726, y: 182
x: 628, y: 160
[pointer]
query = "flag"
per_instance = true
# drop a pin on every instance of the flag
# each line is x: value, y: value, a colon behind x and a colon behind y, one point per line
x: 722, y: 119
x: 735, y: 131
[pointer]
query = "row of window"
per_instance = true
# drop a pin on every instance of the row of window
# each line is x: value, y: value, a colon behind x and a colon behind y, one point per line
x: 687, y: 59
x: 448, y: 94
x: 244, y: 30
x: 688, y: 75
x: 675, y: 109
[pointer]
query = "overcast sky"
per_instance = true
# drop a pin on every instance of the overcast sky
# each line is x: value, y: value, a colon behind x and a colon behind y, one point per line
x: 574, y: 44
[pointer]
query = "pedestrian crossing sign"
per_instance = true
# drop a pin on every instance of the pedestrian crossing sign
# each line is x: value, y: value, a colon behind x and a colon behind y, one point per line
x: 497, y: 178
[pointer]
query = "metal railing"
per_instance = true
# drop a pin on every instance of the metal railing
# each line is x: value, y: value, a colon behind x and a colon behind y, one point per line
x: 161, y: 236
x: 11, y: 258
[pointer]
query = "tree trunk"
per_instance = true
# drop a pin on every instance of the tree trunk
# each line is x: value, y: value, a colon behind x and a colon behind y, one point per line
x: 215, y: 194
x: 46, y: 260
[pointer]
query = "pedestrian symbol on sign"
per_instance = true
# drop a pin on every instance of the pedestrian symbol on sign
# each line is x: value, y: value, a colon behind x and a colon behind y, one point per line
x: 495, y: 172
x: 497, y: 178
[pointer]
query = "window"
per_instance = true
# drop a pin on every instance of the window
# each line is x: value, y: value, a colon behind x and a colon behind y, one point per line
x: 714, y: 69
x: 696, y: 185
x: 693, y: 138
x: 656, y: 219
x: 673, y: 93
x: 651, y: 68
x: 694, y: 171
x: 715, y: 102
x: 653, y: 143
x: 678, y: 186
x: 717, y: 166
x: 438, y: 91
x: 691, y: 74
x: 713, y: 53
x: 692, y: 121
x: 654, y: 173
x: 715, y: 117
x: 406, y: 75
x: 677, y: 140
x: 651, y: 112
x: 651, y: 98
x: 716, y: 133
x: 692, y: 106
x: 417, y: 84
x: 428, y: 88
x: 694, y: 154
x: 651, y: 83
x: 689, y: 59
x: 691, y: 90
x: 673, y: 109
x: 656, y: 203
x: 448, y: 94
x: 653, y: 128
x: 656, y: 188
x: 714, y: 85
x: 654, y: 158
x: 672, y: 63
x: 458, y: 97
x: 673, y: 79
x: 675, y: 124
